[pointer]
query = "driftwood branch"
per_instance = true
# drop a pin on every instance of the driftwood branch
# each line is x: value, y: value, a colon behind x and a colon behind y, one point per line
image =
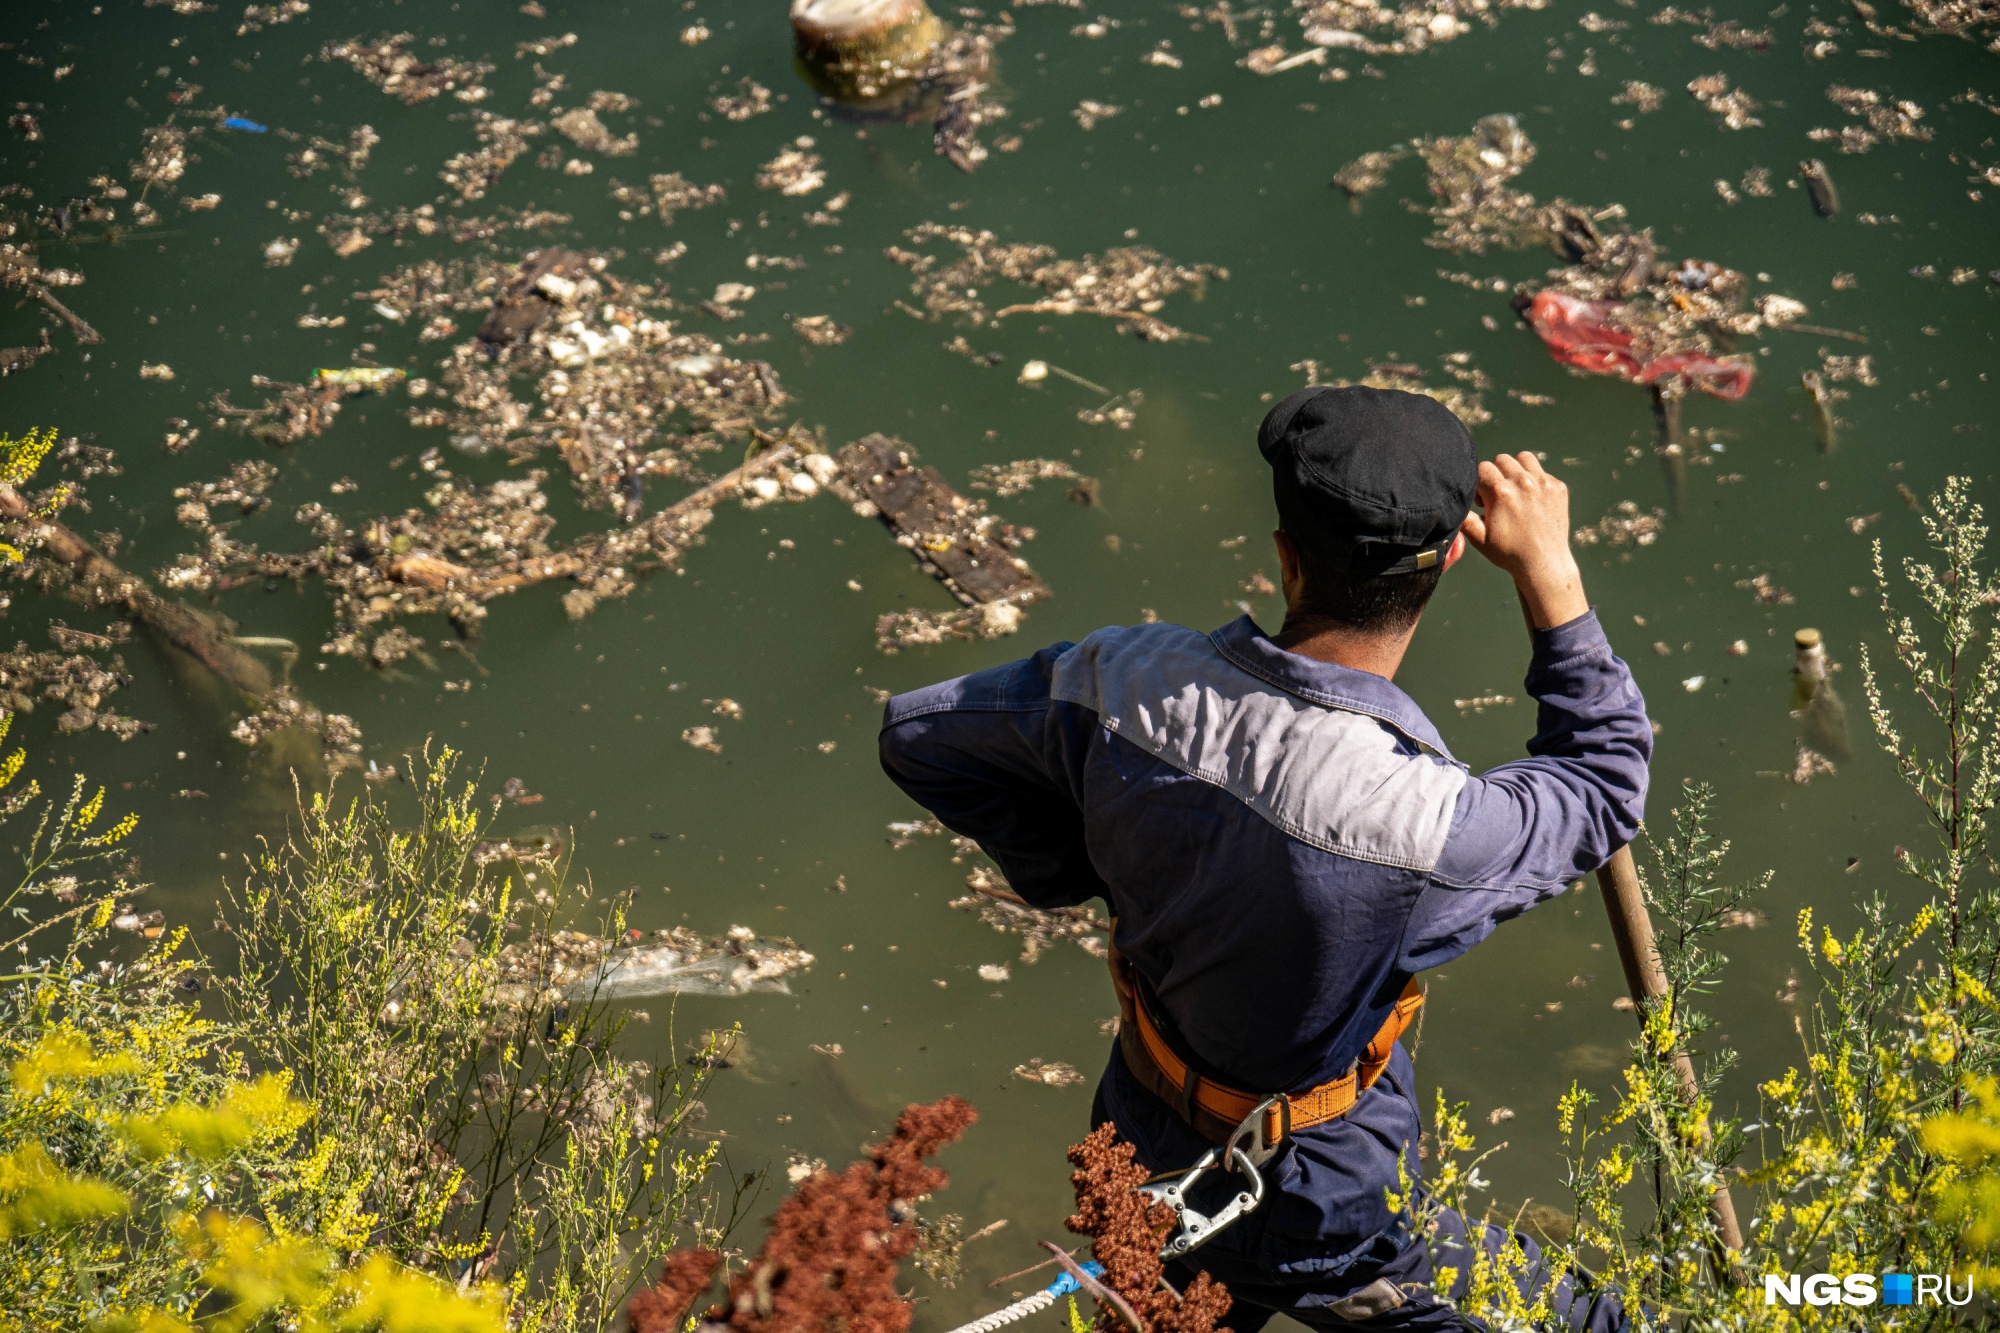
x: 96, y: 577
x: 78, y: 325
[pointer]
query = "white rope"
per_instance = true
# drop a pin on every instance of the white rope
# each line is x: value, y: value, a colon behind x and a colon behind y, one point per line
x: 1020, y: 1309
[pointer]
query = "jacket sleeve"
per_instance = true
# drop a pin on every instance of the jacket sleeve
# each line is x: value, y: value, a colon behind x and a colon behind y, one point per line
x: 1524, y: 830
x: 980, y: 753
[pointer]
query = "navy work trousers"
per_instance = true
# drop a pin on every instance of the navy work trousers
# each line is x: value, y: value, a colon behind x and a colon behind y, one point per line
x: 1363, y: 1299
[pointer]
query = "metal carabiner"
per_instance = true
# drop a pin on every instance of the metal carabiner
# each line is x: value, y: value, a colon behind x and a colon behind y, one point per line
x: 1245, y: 1151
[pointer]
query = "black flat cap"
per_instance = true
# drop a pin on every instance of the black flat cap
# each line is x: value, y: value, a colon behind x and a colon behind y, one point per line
x: 1385, y: 475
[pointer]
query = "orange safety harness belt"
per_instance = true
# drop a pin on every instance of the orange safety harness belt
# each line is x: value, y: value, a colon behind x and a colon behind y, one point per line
x: 1215, y: 1110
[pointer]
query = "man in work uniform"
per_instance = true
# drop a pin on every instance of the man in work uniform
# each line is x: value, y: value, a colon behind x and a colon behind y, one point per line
x: 1285, y: 842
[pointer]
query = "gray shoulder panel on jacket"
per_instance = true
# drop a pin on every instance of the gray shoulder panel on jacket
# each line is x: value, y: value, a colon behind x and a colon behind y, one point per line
x: 1342, y: 781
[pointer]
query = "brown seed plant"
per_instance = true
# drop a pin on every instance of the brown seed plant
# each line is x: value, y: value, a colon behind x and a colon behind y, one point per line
x: 830, y: 1259
x: 1125, y: 1230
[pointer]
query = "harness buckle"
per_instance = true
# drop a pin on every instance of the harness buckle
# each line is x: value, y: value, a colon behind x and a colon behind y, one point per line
x: 1249, y: 1147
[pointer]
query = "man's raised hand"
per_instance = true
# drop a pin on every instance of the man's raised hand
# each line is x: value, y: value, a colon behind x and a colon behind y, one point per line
x: 1524, y: 529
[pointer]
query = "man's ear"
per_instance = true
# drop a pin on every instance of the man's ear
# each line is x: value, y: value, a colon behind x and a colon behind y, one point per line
x: 1289, y: 571
x: 1451, y: 556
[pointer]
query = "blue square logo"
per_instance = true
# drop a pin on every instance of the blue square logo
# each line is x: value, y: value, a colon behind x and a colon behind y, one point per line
x: 1898, y: 1289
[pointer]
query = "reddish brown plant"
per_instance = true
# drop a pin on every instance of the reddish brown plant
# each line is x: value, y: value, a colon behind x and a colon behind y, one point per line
x: 662, y: 1307
x: 829, y: 1262
x: 1125, y: 1231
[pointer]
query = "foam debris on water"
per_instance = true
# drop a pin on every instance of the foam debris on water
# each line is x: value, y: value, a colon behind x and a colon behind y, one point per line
x: 1039, y: 930
x: 580, y: 968
x: 390, y: 64
x: 1463, y: 397
x: 1734, y: 105
x: 1049, y: 1073
x: 1369, y: 27
x: 1009, y: 479
x: 1129, y: 284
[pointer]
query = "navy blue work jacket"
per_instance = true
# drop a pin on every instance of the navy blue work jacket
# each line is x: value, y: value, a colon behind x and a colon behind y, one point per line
x: 1284, y: 843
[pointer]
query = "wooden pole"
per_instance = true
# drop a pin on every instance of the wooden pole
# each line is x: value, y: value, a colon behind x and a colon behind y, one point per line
x: 1632, y: 928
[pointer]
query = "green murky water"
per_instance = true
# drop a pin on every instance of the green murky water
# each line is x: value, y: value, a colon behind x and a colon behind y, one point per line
x: 591, y: 713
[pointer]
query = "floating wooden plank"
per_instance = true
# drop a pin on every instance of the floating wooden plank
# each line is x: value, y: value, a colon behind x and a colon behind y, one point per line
x: 955, y: 539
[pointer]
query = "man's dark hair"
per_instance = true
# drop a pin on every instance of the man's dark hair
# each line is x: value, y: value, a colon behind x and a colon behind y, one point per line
x: 1358, y: 600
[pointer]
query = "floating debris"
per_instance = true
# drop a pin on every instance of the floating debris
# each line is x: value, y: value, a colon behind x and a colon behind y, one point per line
x: 1120, y: 412
x: 751, y: 99
x: 1088, y: 114
x: 994, y: 972
x: 582, y: 128
x: 1767, y: 592
x: 1010, y: 479
x: 1376, y: 29
x: 324, y: 154
x: 298, y: 412
x: 702, y: 738
x: 1129, y: 283
x: 164, y: 158
x: 1641, y: 97
x: 1733, y: 35
x: 258, y: 17
x: 1367, y: 172
x: 820, y: 330
x: 794, y: 171
x: 915, y: 628
x: 1809, y: 764
x: 1038, y: 930
x: 676, y: 961
x: 1886, y: 119
x: 1481, y: 703
x: 1049, y: 1073
x: 1974, y: 20
x: 664, y: 196
x: 388, y: 63
x: 502, y: 140
x: 1464, y: 402
x: 1735, y: 107
x: 624, y: 398
x: 1626, y: 525
x: 78, y: 683
x: 282, y: 709
x: 245, y: 489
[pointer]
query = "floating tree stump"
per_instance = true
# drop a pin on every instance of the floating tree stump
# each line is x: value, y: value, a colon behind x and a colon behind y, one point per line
x: 864, y: 48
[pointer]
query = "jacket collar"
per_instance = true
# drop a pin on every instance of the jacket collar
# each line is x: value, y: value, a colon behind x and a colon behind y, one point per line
x: 1326, y: 683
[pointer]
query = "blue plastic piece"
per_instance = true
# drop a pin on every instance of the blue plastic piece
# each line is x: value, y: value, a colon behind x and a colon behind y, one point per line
x: 248, y: 126
x: 1067, y: 1283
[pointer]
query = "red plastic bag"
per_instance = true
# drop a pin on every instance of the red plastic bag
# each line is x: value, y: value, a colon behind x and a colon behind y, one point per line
x: 1579, y: 333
